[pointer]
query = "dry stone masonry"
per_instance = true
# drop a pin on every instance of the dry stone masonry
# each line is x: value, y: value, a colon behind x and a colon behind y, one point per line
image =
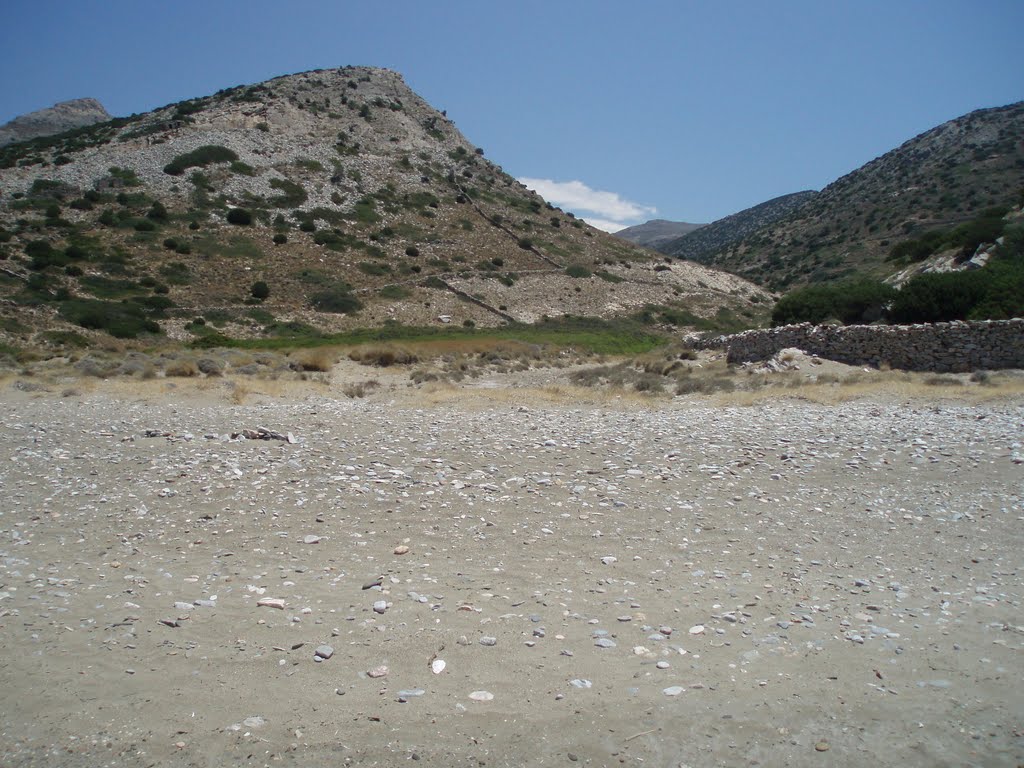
x: 941, y: 347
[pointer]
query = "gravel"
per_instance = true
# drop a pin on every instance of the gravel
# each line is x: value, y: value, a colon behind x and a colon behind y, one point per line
x: 868, y: 599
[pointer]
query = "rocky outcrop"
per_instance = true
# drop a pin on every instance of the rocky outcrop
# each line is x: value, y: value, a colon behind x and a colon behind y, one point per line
x: 61, y: 117
x: 941, y: 347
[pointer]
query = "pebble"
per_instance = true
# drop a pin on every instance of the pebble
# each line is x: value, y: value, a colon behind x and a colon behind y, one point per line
x: 376, y: 672
x: 697, y: 630
x: 673, y: 690
x: 489, y: 641
x: 379, y: 606
x: 311, y: 539
x: 402, y: 549
x: 604, y: 642
x: 323, y: 652
x: 437, y: 666
x: 481, y: 696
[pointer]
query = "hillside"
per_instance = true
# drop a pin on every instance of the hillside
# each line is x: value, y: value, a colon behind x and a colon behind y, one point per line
x: 63, y: 116
x: 656, y: 232
x: 701, y: 245
x: 937, y: 180
x: 330, y: 199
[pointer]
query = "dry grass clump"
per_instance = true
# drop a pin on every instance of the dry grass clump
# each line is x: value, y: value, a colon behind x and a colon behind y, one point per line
x: 383, y: 355
x: 321, y: 359
x: 95, y: 367
x: 184, y: 367
x: 360, y: 388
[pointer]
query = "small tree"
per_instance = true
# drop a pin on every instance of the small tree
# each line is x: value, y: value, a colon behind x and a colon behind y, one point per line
x: 260, y: 290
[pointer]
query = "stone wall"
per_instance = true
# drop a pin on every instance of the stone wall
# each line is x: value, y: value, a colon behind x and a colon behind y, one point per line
x: 942, y: 347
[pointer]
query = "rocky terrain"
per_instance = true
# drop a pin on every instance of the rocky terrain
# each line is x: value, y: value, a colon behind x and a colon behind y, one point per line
x: 63, y: 116
x: 946, y: 176
x: 702, y: 245
x: 507, y: 573
x: 345, y: 196
x: 656, y: 232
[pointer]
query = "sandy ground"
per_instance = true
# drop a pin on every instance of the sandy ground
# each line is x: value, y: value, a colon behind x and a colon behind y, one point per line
x: 669, y: 582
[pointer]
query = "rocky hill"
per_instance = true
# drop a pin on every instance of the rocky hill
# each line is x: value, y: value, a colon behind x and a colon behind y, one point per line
x: 63, y: 116
x: 656, y: 232
x: 324, y: 200
x: 944, y: 177
x: 701, y: 245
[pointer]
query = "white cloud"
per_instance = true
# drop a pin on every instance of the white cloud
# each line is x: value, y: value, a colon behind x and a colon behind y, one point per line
x: 604, y: 224
x: 610, y: 210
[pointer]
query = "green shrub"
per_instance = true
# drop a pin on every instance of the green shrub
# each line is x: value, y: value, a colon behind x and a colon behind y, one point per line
x: 856, y: 301
x: 292, y: 194
x: 577, y: 270
x: 394, y: 292
x: 938, y: 297
x: 123, y: 320
x: 260, y: 290
x: 280, y: 238
x: 524, y: 242
x: 337, y: 299
x: 200, y: 158
x: 239, y: 216
x: 373, y: 268
x: 157, y: 211
x: 243, y: 169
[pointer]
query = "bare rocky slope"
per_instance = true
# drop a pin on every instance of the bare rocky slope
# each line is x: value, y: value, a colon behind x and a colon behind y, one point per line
x: 944, y: 177
x: 63, y: 116
x: 340, y: 194
x: 656, y: 232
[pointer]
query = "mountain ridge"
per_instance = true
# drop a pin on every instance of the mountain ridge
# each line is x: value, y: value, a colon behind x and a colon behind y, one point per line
x: 940, y: 178
x: 701, y: 244
x: 349, y: 198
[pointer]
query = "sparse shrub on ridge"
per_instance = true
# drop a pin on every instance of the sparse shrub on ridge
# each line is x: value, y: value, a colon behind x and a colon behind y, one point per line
x: 199, y: 158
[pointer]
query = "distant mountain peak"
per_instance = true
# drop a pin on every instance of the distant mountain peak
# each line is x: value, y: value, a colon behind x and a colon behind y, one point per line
x: 62, y: 116
x: 654, y: 233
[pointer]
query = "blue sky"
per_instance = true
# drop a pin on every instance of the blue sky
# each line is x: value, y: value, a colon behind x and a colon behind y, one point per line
x: 617, y: 111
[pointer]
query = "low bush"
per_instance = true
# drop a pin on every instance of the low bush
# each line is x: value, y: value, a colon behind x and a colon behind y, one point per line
x: 292, y: 194
x: 337, y: 299
x: 856, y: 301
x: 577, y: 271
x: 200, y: 158
x: 123, y: 320
x: 383, y: 355
x: 260, y: 290
x: 239, y: 216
